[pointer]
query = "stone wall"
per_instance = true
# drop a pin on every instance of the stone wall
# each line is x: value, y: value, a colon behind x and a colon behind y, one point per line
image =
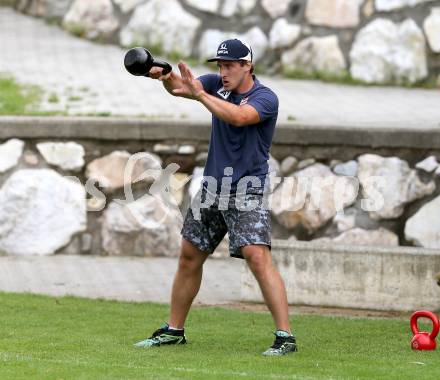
x: 401, y: 279
x: 43, y: 212
x: 372, y: 41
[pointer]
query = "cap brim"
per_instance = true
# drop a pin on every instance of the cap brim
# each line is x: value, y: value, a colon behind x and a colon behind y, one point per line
x: 222, y: 59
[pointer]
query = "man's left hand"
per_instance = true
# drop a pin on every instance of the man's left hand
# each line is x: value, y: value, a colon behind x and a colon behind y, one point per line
x: 191, y: 87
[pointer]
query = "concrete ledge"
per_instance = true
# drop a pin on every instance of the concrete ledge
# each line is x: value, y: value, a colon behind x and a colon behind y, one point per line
x: 399, y: 279
x: 111, y: 128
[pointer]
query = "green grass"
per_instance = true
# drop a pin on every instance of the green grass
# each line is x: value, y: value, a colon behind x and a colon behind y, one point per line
x: 53, y: 98
x: 74, y: 98
x: 16, y: 99
x: 75, y: 29
x: 71, y: 338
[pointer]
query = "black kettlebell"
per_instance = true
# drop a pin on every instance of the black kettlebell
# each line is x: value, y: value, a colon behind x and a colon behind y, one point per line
x: 139, y: 61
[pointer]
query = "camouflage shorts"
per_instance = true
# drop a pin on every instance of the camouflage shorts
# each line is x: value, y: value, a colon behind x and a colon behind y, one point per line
x: 208, y: 229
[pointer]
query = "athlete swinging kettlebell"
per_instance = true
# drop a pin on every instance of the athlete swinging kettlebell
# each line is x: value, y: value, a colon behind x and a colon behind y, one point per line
x: 244, y: 114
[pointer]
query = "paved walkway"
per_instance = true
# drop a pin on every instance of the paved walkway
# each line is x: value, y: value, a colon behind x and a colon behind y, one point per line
x: 89, y: 78
x: 117, y: 278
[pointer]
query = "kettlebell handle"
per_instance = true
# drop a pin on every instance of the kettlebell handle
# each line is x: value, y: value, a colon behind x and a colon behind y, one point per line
x: 139, y: 61
x: 425, y: 314
x: 165, y: 66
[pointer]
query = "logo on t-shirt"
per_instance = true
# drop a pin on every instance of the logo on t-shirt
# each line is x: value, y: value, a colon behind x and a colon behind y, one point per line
x: 244, y: 101
x: 223, y: 93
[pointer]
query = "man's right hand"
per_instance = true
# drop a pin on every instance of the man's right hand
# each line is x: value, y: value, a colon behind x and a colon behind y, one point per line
x: 174, y: 83
x: 156, y: 73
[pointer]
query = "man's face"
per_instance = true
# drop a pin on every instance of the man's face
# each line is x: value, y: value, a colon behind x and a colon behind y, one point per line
x: 232, y: 73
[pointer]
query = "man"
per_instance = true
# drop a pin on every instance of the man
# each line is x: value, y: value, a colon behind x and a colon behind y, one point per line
x: 244, y: 114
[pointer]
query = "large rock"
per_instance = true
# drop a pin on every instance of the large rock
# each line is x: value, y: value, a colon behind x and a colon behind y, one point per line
x: 353, y: 217
x: 391, y: 5
x: 237, y: 7
x: 315, y: 55
x: 160, y: 23
x: 358, y: 236
x: 368, y: 9
x: 10, y: 153
x: 121, y: 168
x: 276, y: 8
x: 346, y: 220
x: 334, y: 13
x: 429, y: 164
x: 348, y: 168
x: 312, y: 197
x: 45, y: 8
x: 274, y: 172
x: 93, y: 18
x: 385, y: 52
x: 283, y: 34
x: 127, y: 6
x: 160, y: 148
x: 146, y: 227
x: 67, y: 156
x: 258, y: 41
x: 211, y: 38
x: 305, y: 163
x: 274, y: 166
x: 388, y: 184
x: 423, y: 228
x: 432, y: 29
x: 196, y: 182
x: 40, y: 211
x: 210, y: 6
x: 178, y: 182
x: 288, y: 165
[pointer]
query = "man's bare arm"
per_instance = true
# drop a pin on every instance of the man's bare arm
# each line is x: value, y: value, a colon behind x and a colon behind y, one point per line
x: 170, y: 81
x: 238, y: 116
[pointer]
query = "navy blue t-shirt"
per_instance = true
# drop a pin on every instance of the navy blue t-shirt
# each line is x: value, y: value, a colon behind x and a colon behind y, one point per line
x: 245, y: 149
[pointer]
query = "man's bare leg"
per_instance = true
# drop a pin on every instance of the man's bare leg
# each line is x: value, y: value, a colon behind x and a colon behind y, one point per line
x: 259, y: 259
x: 186, y: 283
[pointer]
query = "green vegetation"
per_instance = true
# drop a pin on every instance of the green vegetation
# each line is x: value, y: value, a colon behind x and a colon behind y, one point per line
x: 155, y: 49
x: 346, y: 79
x: 53, y: 98
x: 7, y: 3
x: 74, y: 98
x: 75, y: 29
x: 343, y: 78
x: 71, y: 338
x: 99, y: 114
x: 16, y: 99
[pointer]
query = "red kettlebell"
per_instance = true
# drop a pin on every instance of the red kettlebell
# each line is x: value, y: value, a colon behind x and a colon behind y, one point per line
x: 424, y: 340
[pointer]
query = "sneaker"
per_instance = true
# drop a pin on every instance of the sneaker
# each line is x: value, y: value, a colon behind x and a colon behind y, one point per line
x: 284, y: 344
x: 163, y: 336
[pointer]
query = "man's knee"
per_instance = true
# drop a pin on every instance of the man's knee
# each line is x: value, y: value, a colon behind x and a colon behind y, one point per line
x: 257, y: 257
x: 191, y: 258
